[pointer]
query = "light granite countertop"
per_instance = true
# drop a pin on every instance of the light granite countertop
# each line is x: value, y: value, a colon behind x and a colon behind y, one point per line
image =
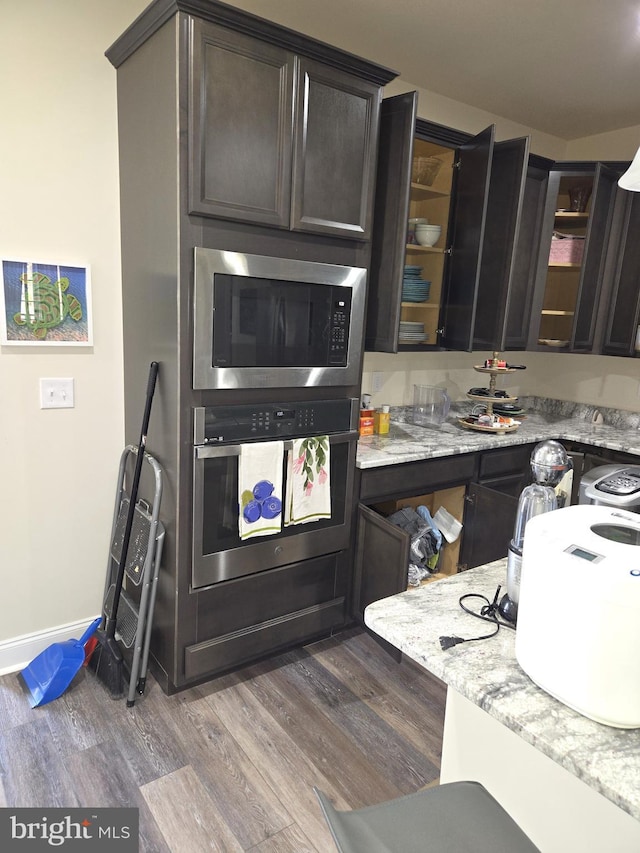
x: 487, y: 673
x: 546, y: 419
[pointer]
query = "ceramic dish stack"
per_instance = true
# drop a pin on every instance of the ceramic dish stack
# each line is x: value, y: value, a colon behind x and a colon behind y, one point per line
x: 412, y: 333
x: 414, y: 288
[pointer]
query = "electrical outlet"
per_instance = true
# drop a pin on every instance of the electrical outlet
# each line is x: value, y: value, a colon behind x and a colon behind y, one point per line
x: 56, y: 394
x: 377, y: 380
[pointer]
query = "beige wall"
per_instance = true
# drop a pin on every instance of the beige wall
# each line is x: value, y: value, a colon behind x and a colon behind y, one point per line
x: 470, y: 119
x: 617, y: 145
x: 599, y: 380
x: 59, y: 178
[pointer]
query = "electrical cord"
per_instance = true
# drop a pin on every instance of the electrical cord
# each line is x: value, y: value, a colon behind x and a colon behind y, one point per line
x: 488, y: 613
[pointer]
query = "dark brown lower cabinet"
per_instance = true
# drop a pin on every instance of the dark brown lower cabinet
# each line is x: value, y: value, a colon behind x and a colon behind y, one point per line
x: 248, y: 618
x: 480, y: 489
x: 488, y: 528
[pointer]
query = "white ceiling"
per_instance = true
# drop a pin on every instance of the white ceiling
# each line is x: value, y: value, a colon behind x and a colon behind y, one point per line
x: 570, y: 68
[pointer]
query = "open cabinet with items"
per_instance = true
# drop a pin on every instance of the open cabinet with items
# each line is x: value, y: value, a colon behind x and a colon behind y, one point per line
x: 429, y: 210
x: 573, y: 206
x: 479, y: 490
x: 469, y: 189
x: 571, y: 267
x: 389, y: 558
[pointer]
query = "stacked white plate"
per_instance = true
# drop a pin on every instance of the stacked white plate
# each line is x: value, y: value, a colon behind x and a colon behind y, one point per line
x: 412, y: 332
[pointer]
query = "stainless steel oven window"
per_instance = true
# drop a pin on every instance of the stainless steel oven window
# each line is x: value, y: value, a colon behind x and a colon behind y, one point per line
x: 208, y: 262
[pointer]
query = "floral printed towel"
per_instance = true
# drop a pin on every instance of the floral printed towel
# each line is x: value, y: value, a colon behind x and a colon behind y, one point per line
x: 260, y: 488
x: 308, y: 482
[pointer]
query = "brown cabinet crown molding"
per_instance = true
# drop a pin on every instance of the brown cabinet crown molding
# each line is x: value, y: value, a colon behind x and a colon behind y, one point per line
x: 159, y: 12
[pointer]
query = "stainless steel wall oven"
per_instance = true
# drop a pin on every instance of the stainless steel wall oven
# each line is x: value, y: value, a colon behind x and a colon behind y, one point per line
x: 263, y: 322
x: 219, y: 554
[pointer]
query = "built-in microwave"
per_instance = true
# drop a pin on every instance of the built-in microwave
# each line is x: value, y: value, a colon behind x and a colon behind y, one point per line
x: 263, y: 322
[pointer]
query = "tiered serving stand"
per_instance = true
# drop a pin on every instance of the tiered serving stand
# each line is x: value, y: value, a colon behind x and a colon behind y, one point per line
x: 488, y: 401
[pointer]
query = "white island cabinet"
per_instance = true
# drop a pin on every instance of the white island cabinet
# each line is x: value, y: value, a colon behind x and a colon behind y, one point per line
x: 572, y: 784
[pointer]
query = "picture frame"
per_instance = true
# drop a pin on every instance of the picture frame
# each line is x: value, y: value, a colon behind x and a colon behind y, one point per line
x: 45, y: 304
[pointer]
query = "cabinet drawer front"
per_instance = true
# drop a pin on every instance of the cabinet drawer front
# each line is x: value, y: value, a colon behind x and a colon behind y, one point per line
x: 249, y: 617
x: 336, y: 123
x: 415, y: 478
x: 511, y: 460
x: 256, y: 641
x: 240, y: 126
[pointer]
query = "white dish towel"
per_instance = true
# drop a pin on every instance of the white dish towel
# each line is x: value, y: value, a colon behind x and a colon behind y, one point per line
x: 308, y: 481
x: 260, y: 488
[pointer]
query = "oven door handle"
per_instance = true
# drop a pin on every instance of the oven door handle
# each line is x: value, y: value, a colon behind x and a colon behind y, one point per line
x: 216, y: 451
x: 212, y: 451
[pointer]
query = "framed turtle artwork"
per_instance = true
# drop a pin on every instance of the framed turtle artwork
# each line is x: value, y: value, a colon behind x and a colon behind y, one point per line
x: 46, y: 304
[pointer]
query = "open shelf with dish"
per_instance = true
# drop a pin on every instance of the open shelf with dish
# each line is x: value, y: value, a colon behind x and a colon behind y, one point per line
x: 571, y: 198
x: 432, y: 176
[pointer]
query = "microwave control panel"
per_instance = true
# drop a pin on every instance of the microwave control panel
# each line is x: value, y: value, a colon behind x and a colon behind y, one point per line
x: 264, y: 421
x: 339, y: 337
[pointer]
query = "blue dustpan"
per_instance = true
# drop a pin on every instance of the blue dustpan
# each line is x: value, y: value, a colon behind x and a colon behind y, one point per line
x: 49, y: 674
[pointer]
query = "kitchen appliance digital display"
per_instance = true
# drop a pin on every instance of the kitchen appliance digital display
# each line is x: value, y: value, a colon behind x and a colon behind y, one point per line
x: 262, y: 322
x: 584, y: 554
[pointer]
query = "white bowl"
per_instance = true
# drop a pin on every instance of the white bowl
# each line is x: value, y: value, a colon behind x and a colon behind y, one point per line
x: 428, y: 235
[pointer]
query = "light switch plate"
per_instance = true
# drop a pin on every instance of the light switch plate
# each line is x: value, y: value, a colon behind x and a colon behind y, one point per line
x: 56, y: 394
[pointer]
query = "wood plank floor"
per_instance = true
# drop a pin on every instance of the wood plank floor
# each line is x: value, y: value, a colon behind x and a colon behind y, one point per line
x: 230, y: 765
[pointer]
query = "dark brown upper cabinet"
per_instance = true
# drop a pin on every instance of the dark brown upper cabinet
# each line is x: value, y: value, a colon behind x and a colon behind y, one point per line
x: 279, y: 139
x: 523, y: 271
x: 503, y: 299
x: 470, y: 266
x: 241, y: 128
x: 571, y: 261
x: 621, y: 334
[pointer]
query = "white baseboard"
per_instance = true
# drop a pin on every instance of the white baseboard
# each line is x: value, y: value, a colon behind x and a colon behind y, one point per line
x: 16, y: 653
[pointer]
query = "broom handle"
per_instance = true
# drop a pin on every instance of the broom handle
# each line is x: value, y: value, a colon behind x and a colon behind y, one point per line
x: 110, y: 627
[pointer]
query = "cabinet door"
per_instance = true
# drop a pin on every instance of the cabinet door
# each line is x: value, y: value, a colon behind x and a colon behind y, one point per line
x: 489, y: 520
x: 393, y: 187
x: 471, y: 194
x: 336, y: 126
x: 504, y: 208
x: 382, y: 559
x: 523, y: 279
x: 624, y: 311
x: 592, y: 273
x: 240, y: 126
